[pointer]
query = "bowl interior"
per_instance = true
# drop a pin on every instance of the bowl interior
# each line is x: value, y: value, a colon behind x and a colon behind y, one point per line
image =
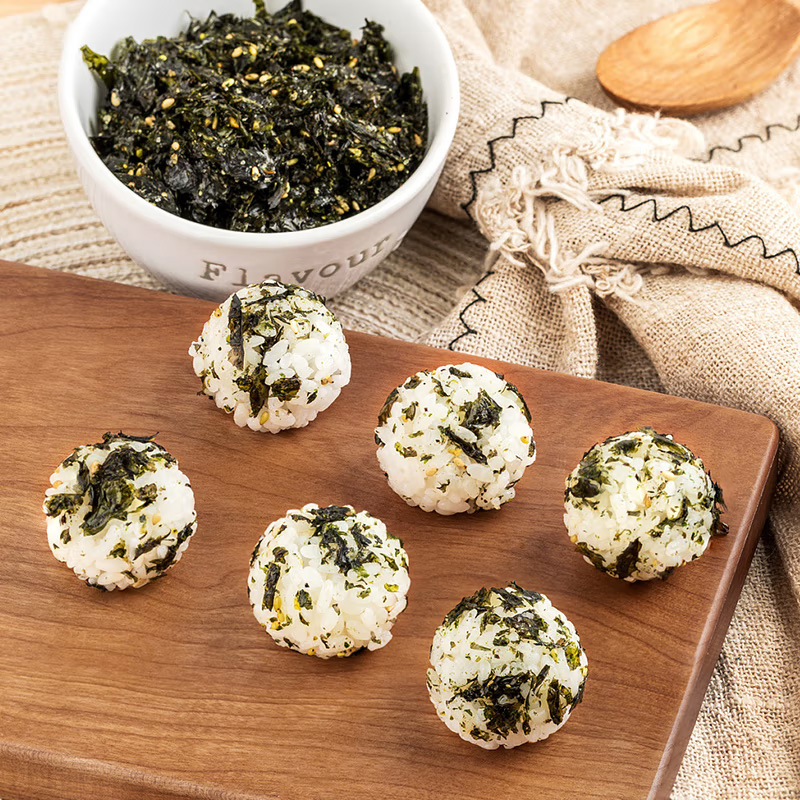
x: 409, y: 27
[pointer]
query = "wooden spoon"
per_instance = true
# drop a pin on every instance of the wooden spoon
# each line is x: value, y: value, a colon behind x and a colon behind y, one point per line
x: 703, y: 58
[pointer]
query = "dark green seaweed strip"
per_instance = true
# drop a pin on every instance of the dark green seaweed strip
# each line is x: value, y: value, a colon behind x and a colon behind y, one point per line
x: 628, y: 559
x: 276, y: 122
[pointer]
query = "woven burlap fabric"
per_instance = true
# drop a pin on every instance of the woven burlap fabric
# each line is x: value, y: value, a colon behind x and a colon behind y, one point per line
x: 619, y: 314
x: 694, y: 250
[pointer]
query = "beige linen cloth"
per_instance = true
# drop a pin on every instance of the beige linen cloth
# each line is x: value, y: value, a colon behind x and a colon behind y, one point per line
x: 622, y: 247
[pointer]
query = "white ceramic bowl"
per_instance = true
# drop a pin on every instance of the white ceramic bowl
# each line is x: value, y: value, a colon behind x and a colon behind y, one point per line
x: 211, y: 262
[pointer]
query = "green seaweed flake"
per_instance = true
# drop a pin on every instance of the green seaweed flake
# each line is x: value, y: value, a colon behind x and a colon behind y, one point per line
x: 109, y: 437
x: 273, y: 574
x: 589, y: 479
x: 572, y: 652
x: 337, y: 550
x: 410, y: 411
x: 508, y: 600
x: 286, y: 389
x: 481, y: 413
x: 147, y: 494
x: 528, y: 625
x: 628, y: 559
x: 595, y: 558
x: 503, y: 699
x: 276, y: 122
x: 523, y: 405
x: 235, y: 328
x: 110, y: 490
x: 578, y: 698
x: 480, y: 602
x: 119, y: 550
x: 163, y: 564
x: 625, y: 447
x: 719, y: 528
x: 357, y: 532
x: 528, y: 594
x: 63, y: 503
x: 668, y: 444
x: 470, y: 449
x: 150, y: 544
x: 386, y: 409
x: 303, y: 599
x: 334, y: 542
x: 257, y: 388
x: 559, y: 701
x: 459, y: 373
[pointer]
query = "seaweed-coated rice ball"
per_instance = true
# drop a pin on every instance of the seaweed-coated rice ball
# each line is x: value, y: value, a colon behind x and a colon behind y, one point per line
x: 453, y: 439
x: 328, y: 581
x: 119, y: 513
x: 506, y: 668
x: 639, y: 505
x: 273, y: 355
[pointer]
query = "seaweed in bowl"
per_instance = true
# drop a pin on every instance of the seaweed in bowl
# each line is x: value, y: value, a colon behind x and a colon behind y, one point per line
x: 276, y: 122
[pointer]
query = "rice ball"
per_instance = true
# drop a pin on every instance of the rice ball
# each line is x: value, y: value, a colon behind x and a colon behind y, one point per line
x: 506, y: 668
x: 639, y: 505
x: 272, y: 355
x: 119, y: 513
x: 457, y: 438
x: 328, y: 581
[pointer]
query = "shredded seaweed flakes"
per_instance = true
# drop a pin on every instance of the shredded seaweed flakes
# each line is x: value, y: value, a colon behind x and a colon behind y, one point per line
x: 275, y: 122
x: 469, y: 449
x: 110, y: 488
x: 273, y: 574
x: 481, y: 412
x: 627, y: 560
x: 503, y: 699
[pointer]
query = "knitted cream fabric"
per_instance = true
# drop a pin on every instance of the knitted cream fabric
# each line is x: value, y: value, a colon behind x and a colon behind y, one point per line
x: 623, y: 248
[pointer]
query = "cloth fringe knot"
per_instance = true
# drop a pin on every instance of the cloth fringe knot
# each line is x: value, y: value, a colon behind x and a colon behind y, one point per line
x: 518, y: 217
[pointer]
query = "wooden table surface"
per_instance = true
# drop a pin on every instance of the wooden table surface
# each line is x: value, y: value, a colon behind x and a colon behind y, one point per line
x: 174, y: 692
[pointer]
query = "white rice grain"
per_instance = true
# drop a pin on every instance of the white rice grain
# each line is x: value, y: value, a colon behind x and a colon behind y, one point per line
x: 454, y: 439
x: 328, y: 581
x: 639, y: 505
x: 273, y: 356
x: 506, y: 668
x: 119, y: 513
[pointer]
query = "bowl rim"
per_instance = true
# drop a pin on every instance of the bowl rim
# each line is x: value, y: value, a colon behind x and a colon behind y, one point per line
x: 87, y: 158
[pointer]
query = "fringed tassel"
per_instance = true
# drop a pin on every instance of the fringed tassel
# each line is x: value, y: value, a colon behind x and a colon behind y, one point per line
x: 518, y: 217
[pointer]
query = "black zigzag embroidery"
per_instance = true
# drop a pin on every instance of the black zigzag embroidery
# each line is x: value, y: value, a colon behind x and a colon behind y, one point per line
x: 479, y: 298
x: 693, y: 228
x: 763, y: 138
x: 473, y: 175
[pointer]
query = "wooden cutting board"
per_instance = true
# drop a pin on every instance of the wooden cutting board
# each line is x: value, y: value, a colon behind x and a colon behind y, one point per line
x: 174, y: 691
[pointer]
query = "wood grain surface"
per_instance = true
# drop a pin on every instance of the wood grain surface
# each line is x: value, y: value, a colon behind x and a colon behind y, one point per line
x: 174, y: 691
x: 703, y: 58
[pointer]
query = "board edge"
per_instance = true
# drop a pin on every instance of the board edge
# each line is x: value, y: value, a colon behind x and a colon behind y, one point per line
x: 710, y: 644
